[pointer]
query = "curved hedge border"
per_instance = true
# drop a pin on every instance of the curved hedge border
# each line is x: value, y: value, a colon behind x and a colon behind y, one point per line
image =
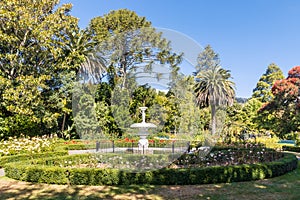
x: 23, y: 157
x: 94, y: 176
x: 291, y: 148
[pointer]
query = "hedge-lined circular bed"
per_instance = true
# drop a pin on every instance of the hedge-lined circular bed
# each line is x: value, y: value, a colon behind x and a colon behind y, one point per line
x: 55, y: 170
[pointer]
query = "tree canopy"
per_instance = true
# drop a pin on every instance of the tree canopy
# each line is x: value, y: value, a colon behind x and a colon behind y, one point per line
x: 35, y: 48
x: 283, y: 109
x: 263, y: 91
x: 129, y: 44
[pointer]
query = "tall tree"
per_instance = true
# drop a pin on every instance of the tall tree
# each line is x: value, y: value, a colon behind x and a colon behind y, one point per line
x: 213, y: 87
x: 129, y: 44
x: 262, y: 91
x: 207, y: 59
x: 34, y: 52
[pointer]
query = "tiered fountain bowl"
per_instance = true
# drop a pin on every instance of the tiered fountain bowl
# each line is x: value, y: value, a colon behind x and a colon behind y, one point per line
x: 143, y: 130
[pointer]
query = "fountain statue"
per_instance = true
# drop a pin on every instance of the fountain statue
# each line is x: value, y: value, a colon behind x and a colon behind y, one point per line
x: 143, y: 130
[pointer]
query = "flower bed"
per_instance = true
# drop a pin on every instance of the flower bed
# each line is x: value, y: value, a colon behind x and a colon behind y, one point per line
x: 128, y: 162
x: 228, y: 156
x: 25, y: 145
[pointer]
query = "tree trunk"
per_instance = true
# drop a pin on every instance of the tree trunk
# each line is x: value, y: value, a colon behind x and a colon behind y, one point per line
x: 213, y: 119
x: 63, y: 123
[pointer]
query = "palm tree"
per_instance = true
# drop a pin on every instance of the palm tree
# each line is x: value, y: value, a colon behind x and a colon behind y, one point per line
x: 91, y: 67
x: 213, y: 88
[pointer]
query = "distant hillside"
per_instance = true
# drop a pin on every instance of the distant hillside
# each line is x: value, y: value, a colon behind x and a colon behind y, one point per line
x: 241, y: 99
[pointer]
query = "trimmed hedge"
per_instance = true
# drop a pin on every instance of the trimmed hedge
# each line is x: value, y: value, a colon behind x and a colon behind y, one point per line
x: 23, y: 157
x: 37, y: 173
x: 166, y: 176
x: 79, y: 146
x: 291, y: 148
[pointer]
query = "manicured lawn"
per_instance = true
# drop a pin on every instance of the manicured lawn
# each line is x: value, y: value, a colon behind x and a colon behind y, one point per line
x: 283, y: 187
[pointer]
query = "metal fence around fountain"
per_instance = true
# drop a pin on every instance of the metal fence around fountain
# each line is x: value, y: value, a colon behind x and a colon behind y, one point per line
x: 111, y: 146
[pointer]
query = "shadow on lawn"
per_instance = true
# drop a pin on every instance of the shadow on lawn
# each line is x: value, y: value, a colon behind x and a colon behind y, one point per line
x: 282, y: 187
x: 11, y: 189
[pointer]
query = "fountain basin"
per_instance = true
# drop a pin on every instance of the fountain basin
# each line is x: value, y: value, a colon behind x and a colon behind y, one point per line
x: 143, y: 130
x: 143, y: 125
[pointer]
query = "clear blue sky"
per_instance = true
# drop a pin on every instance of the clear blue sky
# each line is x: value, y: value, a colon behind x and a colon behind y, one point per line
x: 248, y: 35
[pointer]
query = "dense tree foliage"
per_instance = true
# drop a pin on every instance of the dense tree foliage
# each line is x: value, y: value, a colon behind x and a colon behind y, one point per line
x: 282, y: 113
x: 36, y: 57
x: 129, y: 44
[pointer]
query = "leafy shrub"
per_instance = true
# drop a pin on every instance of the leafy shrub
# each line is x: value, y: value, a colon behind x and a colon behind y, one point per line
x: 26, y: 157
x: 37, y: 173
x: 79, y: 146
x: 75, y: 145
x: 88, y: 176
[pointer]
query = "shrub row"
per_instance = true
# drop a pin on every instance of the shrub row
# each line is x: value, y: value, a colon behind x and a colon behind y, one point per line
x: 291, y: 148
x: 24, y: 157
x: 79, y: 146
x: 166, y: 176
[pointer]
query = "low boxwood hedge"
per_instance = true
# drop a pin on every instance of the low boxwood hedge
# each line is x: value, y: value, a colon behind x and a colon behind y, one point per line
x: 79, y: 146
x: 37, y: 173
x: 291, y: 148
x: 22, y: 157
x: 28, y: 171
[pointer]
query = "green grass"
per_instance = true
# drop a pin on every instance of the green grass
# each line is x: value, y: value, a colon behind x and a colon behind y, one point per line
x: 283, y: 187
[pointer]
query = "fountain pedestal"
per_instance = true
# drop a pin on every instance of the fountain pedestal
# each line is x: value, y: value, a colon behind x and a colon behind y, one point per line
x: 143, y: 143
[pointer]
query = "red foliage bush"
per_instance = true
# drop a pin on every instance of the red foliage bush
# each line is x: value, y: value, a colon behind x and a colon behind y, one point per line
x: 294, y: 72
x: 285, y: 88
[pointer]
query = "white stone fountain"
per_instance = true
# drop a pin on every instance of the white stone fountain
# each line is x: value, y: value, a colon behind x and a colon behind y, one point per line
x: 143, y: 130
